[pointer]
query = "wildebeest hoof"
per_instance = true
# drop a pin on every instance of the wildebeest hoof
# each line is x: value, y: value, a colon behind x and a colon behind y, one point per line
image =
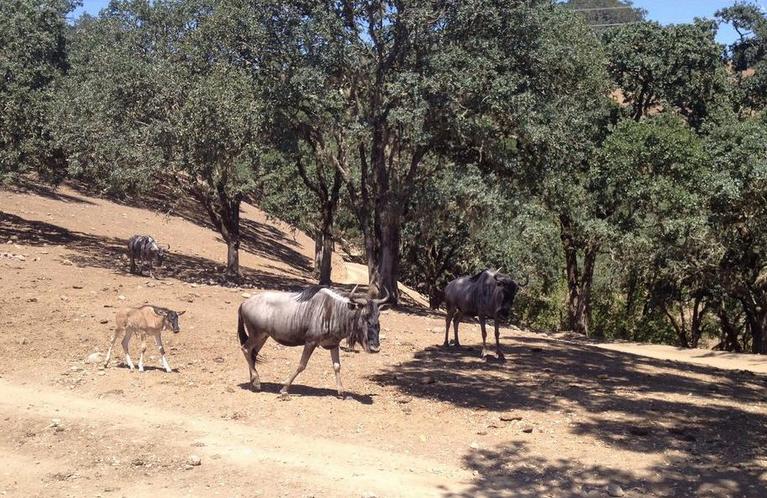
x: 500, y: 357
x: 341, y: 396
x: 284, y: 396
x: 256, y: 386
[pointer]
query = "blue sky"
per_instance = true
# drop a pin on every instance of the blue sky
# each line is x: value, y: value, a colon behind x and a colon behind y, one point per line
x: 663, y: 11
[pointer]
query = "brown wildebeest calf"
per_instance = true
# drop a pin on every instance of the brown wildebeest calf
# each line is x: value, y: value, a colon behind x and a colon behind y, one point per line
x: 146, y: 320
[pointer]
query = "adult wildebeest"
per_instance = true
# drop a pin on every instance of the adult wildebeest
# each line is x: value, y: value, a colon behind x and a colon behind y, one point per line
x: 144, y: 249
x: 488, y: 294
x: 145, y: 320
x: 317, y: 316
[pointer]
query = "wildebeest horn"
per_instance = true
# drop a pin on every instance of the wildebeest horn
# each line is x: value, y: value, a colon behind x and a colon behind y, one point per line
x: 351, y: 295
x: 499, y: 270
x: 382, y: 300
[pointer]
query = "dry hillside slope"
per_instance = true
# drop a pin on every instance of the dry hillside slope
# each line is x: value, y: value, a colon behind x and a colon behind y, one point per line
x: 557, y: 419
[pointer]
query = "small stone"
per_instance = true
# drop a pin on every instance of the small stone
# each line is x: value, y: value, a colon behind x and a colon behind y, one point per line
x: 20, y: 257
x: 101, y: 372
x: 614, y: 490
x: 481, y: 433
x: 368, y: 494
x: 55, y: 422
x: 194, y: 460
x: 509, y: 417
x: 23, y: 341
x: 427, y: 379
x: 246, y: 294
x: 77, y: 286
x: 94, y: 358
x: 103, y: 321
x: 121, y: 297
x: 137, y: 462
x: 475, y: 445
x: 527, y: 429
x: 218, y: 359
x: 32, y: 300
x: 404, y: 400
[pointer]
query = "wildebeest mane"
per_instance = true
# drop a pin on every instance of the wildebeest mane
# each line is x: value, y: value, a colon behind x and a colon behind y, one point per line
x: 477, y: 276
x: 309, y: 293
x: 159, y: 310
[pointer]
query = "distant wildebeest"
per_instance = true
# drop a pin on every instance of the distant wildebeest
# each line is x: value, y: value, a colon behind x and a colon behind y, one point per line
x: 144, y: 320
x: 317, y: 316
x: 144, y: 249
x: 488, y: 294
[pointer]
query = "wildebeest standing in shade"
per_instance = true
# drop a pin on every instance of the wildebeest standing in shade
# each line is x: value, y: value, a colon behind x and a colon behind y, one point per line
x: 488, y: 294
x: 144, y: 249
x: 317, y: 316
x: 144, y: 320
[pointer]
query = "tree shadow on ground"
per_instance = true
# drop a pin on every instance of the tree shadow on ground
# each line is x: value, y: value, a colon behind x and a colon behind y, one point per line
x: 26, y: 186
x: 709, y: 421
x: 304, y: 390
x: 109, y: 252
x: 512, y: 470
x: 257, y: 238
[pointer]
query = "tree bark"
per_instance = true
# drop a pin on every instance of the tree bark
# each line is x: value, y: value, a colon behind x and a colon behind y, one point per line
x: 756, y: 317
x: 231, y: 234
x: 324, y: 248
x: 578, y: 306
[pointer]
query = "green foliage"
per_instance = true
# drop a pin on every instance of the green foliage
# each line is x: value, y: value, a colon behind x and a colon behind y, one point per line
x: 33, y: 60
x: 678, y: 66
x: 748, y: 54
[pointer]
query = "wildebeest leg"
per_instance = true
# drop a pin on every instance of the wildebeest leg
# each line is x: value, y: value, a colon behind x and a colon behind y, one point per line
x: 163, y: 360
x: 456, y: 321
x: 484, y: 337
x: 308, y: 350
x: 142, y: 336
x: 336, y: 358
x: 132, y: 263
x: 498, y: 353
x: 126, y: 342
x: 115, y: 334
x: 448, y: 319
x: 250, y: 349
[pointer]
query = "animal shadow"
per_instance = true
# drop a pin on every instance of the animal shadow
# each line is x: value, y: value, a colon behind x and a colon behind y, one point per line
x: 302, y: 390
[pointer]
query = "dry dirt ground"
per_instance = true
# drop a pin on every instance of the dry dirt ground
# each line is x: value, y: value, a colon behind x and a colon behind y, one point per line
x: 559, y: 418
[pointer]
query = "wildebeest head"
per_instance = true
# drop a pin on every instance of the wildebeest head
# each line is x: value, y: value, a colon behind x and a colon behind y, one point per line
x: 160, y: 254
x: 369, y: 319
x: 506, y: 289
x: 171, y: 320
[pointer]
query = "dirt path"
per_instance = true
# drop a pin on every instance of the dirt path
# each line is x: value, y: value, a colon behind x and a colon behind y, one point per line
x: 324, y: 466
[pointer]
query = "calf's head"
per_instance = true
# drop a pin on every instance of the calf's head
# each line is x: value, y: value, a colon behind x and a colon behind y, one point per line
x: 369, y: 320
x: 171, y: 320
x: 160, y: 254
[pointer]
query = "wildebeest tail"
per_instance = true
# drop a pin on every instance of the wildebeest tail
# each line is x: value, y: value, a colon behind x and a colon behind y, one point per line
x: 241, y: 332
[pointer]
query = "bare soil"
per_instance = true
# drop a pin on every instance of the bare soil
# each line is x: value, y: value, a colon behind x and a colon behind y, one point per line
x: 560, y: 418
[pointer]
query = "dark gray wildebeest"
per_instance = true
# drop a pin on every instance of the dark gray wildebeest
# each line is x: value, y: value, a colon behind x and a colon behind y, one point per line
x: 144, y: 320
x: 488, y: 294
x: 317, y: 316
x: 144, y: 249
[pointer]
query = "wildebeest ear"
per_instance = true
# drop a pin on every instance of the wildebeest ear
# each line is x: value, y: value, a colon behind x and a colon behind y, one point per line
x: 383, y: 307
x: 353, y: 305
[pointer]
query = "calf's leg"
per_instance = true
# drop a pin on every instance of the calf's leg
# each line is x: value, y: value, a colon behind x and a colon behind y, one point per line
x: 448, y: 319
x: 126, y: 342
x: 115, y: 335
x: 336, y: 358
x: 307, y: 353
x: 142, y: 336
x: 163, y: 360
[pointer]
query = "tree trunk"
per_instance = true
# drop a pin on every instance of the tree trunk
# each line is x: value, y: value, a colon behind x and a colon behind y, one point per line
x: 578, y: 306
x: 756, y: 323
x: 323, y: 247
x: 730, y: 339
x: 388, y: 259
x: 698, y: 313
x: 231, y: 222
